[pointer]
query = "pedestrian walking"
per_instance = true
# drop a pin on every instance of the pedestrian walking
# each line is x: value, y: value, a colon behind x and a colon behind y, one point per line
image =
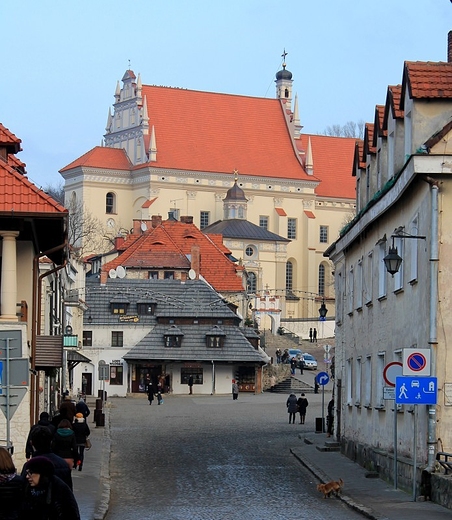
x: 310, y: 335
x: 301, y: 365
x: 150, y: 392
x: 67, y: 409
x: 235, y: 390
x: 159, y: 397
x: 44, y: 420
x: 314, y: 336
x: 11, y: 488
x: 190, y: 385
x: 64, y: 443
x: 330, y: 418
x: 316, y: 385
x: 41, y: 439
x: 293, y: 365
x: 82, y: 407
x: 292, y: 407
x: 82, y: 432
x: 302, y: 405
x: 278, y: 356
x: 47, y: 496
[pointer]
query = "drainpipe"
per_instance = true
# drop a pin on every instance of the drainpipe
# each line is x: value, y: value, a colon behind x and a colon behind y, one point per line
x: 433, y: 340
x: 36, y: 323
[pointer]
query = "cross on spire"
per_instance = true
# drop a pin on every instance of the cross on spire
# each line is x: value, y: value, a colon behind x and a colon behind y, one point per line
x: 283, y: 56
x: 236, y: 174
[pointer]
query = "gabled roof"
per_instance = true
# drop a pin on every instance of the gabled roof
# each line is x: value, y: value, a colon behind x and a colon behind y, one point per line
x: 358, y: 160
x: 102, y: 157
x: 369, y: 147
x: 332, y: 161
x: 378, y: 124
x: 427, y: 80
x: 239, y: 228
x: 9, y: 140
x: 169, y: 245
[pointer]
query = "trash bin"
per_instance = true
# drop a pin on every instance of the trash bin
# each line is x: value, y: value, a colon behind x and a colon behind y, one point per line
x: 319, y: 425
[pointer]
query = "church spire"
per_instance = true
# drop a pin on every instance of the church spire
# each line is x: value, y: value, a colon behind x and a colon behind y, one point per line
x: 284, y: 82
x: 296, y: 119
x: 109, y: 121
x: 309, y: 161
x: 152, y: 146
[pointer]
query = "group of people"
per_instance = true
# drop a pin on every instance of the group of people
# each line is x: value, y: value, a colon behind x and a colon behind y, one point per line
x: 313, y: 335
x: 150, y: 391
x: 43, y: 490
x: 295, y: 406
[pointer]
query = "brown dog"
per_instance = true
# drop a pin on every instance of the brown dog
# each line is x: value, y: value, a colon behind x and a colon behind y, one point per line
x: 334, y: 486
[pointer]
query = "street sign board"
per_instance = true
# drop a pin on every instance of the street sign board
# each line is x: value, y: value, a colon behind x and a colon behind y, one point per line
x: 416, y: 390
x: 15, y: 398
x: 322, y: 318
x: 322, y: 378
x: 389, y: 393
x: 416, y: 362
x: 391, y: 371
x: 327, y: 348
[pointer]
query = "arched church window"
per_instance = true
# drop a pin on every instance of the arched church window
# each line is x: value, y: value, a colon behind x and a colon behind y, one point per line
x: 322, y: 280
x: 110, y: 203
x: 286, y: 93
x: 289, y: 276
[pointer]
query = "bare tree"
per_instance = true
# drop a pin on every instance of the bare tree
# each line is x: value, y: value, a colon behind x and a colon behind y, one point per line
x: 56, y: 192
x: 350, y: 129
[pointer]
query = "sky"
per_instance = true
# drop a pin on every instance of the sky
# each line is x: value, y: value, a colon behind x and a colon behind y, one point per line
x: 62, y: 60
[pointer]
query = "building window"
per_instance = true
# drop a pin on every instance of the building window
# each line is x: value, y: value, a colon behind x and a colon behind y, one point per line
x: 368, y: 381
x: 174, y: 213
x: 324, y: 234
x: 263, y: 222
x: 173, y: 337
x: 146, y: 309
x: 368, y: 279
x: 168, y: 275
x: 322, y: 280
x: 398, y: 277
x: 251, y: 283
x: 358, y: 378
x: 116, y: 373
x: 118, y: 307
x: 215, y: 338
x: 350, y: 288
x: 289, y: 276
x: 250, y: 251
x: 379, y: 400
x: 153, y: 275
x: 87, y: 338
x: 359, y: 285
x: 381, y: 270
x: 204, y: 219
x: 110, y: 203
x: 117, y: 339
x: 196, y: 373
x: 349, y: 376
x: 292, y: 228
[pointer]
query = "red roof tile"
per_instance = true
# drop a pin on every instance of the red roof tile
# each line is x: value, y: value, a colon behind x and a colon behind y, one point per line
x: 168, y: 245
x: 309, y: 214
x: 102, y: 157
x: 392, y: 104
x: 427, y: 80
x: 281, y: 212
x: 369, y: 147
x: 148, y: 203
x: 332, y: 161
x: 9, y: 140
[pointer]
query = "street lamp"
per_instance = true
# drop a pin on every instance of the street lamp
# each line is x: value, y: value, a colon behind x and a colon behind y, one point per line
x: 392, y: 260
x: 323, y: 311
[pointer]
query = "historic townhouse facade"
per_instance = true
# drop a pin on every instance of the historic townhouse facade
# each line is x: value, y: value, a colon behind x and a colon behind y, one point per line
x: 404, y: 198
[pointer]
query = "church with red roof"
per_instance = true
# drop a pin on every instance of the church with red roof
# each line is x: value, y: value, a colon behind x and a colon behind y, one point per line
x: 179, y: 151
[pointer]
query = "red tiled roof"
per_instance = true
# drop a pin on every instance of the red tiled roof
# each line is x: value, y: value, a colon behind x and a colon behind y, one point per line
x: 168, y: 245
x: 17, y: 194
x: 393, y: 96
x: 309, y: 214
x: 149, y: 202
x: 206, y: 131
x: 332, y: 161
x: 369, y: 147
x: 378, y: 124
x: 427, y: 80
x: 102, y: 157
x: 358, y: 160
x: 281, y: 212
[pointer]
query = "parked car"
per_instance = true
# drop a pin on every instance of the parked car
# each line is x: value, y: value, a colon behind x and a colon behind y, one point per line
x: 310, y: 362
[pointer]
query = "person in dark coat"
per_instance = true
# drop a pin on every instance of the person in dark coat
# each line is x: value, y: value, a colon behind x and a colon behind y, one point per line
x: 235, y: 390
x: 292, y: 407
x: 64, y: 444
x: 46, y: 496
x: 82, y: 407
x: 11, y: 488
x: 67, y: 409
x: 310, y: 335
x: 41, y: 439
x: 190, y: 384
x: 314, y: 336
x: 150, y: 392
x: 82, y: 432
x: 302, y: 405
x: 44, y: 420
x: 330, y: 418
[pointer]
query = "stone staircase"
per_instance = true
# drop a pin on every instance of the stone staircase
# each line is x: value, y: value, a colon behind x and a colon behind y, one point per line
x: 329, y: 446
x: 293, y: 385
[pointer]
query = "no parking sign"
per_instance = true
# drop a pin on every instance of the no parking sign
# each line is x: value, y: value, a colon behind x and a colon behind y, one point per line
x: 416, y: 362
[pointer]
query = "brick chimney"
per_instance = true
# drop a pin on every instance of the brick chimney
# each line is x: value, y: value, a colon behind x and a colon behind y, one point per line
x: 119, y: 241
x: 449, y: 47
x: 156, y: 220
x: 195, y: 260
x: 187, y: 220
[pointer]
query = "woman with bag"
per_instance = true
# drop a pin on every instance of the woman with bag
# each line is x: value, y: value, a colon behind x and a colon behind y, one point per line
x: 82, y: 431
x: 64, y: 444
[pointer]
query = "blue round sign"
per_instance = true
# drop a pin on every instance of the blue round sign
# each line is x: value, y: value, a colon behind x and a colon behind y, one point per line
x: 322, y: 378
x: 416, y: 362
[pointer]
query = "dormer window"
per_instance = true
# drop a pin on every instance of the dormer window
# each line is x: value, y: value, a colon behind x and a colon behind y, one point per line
x: 215, y: 337
x: 119, y: 305
x: 173, y: 337
x: 146, y: 308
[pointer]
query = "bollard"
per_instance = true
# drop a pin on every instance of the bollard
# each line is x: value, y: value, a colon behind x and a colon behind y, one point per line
x: 100, y: 421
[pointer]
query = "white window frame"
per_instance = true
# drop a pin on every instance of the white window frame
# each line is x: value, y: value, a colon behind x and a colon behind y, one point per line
x: 369, y: 279
x: 368, y: 382
x: 379, y: 381
x: 349, y: 379
x: 359, y: 284
x: 382, y: 273
x: 350, y: 287
x: 358, y: 379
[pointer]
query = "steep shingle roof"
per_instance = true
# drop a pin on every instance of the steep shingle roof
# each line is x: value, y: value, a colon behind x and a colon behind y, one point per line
x: 102, y: 157
x: 239, y: 228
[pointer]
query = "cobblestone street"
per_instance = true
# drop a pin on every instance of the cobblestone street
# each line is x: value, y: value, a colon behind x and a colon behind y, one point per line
x: 212, y: 458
